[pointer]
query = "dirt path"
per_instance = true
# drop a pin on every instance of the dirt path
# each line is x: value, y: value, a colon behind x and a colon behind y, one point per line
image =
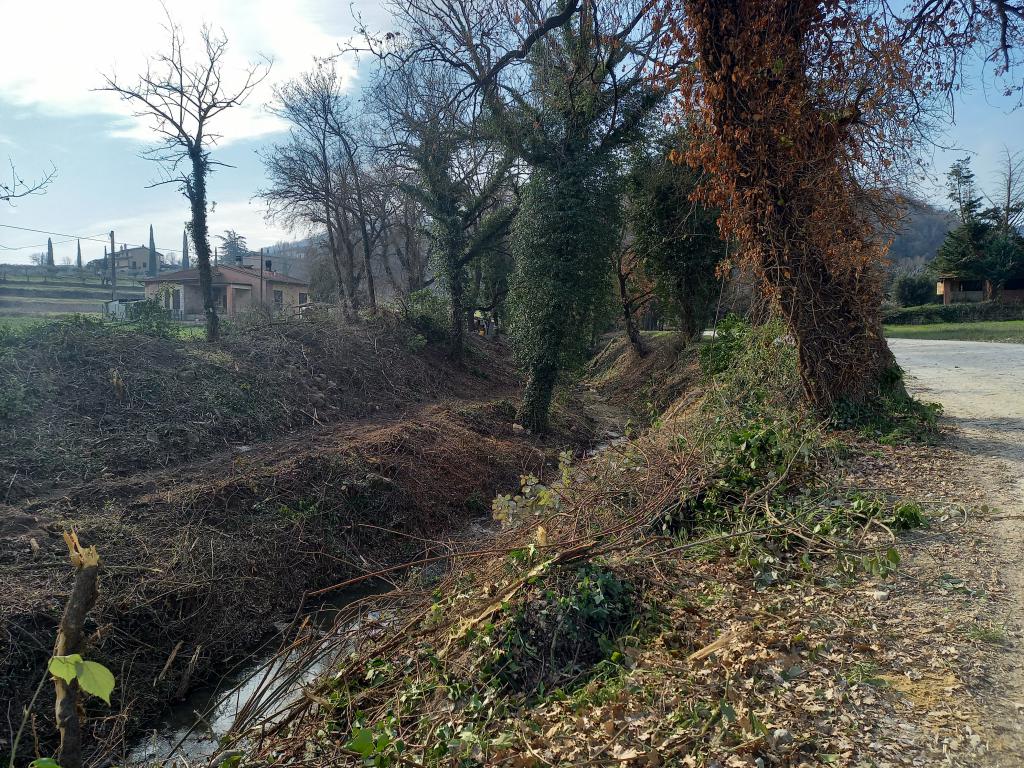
x: 981, y: 388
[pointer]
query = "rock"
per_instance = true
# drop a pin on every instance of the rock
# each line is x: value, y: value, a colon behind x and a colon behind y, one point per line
x: 781, y: 737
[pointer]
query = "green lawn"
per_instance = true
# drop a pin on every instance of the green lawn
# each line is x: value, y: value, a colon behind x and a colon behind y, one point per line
x: 989, y: 330
x: 184, y: 330
x: 19, y: 321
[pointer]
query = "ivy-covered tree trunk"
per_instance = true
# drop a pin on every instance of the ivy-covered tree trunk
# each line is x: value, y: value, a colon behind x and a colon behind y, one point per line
x: 535, y: 409
x: 562, y: 240
x: 196, y: 192
x: 457, y: 309
x: 779, y: 159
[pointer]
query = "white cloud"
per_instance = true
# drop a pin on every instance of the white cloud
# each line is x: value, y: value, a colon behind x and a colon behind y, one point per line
x: 56, y: 52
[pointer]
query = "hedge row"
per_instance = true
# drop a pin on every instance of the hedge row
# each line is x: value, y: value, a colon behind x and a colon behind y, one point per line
x: 955, y: 313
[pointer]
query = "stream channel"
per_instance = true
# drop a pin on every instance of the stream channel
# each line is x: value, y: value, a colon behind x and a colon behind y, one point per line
x: 193, y: 728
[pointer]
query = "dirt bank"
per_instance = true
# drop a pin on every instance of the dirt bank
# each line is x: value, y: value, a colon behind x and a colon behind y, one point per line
x: 81, y: 400
x: 205, y: 558
x: 202, y: 558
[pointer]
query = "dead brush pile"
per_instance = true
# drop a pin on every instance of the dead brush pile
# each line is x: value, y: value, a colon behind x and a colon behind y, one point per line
x: 675, y: 600
x: 199, y: 564
x: 82, y: 399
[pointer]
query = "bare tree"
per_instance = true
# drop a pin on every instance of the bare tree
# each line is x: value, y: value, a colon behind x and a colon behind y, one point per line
x: 326, y: 177
x: 453, y: 172
x: 182, y: 98
x: 635, y: 289
x: 16, y: 186
x: 1008, y: 202
x: 408, y: 241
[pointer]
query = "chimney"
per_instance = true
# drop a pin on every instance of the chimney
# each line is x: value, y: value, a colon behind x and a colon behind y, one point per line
x: 268, y: 266
x: 238, y: 257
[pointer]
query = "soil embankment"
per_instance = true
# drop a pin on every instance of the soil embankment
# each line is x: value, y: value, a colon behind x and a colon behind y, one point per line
x: 392, y: 452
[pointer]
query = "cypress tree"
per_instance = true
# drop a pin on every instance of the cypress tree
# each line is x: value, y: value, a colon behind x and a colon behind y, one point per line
x: 184, y: 250
x: 78, y: 261
x: 49, y: 252
x: 153, y: 266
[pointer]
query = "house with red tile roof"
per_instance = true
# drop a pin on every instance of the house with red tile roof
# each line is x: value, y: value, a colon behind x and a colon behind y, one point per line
x: 235, y: 288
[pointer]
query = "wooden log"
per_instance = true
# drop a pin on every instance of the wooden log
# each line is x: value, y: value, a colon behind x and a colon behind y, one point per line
x: 70, y: 639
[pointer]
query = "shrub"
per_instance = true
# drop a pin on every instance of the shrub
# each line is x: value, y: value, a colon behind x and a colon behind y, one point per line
x: 427, y: 313
x: 730, y: 338
x: 914, y: 290
x: 153, y: 319
x: 563, y: 630
x: 895, y: 418
x: 955, y: 313
x: 751, y: 367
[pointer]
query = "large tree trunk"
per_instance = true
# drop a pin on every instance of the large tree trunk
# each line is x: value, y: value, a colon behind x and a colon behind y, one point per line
x: 456, y: 293
x: 201, y: 240
x: 536, y: 405
x: 779, y: 156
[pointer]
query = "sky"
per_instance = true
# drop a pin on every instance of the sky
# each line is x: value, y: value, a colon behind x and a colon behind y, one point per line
x: 54, y: 56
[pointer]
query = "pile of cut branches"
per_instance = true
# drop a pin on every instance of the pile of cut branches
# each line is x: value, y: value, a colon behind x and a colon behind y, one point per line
x: 81, y: 399
x: 656, y: 604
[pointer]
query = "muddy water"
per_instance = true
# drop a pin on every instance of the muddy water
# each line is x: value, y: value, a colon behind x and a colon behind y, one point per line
x: 193, y: 729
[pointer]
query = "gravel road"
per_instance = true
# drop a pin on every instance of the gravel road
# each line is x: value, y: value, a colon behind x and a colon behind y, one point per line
x: 981, y: 388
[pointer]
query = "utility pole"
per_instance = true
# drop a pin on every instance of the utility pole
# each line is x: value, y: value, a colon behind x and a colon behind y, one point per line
x: 113, y: 269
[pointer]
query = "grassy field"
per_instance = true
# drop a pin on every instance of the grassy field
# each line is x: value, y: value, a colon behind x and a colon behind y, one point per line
x: 185, y: 331
x: 993, y: 330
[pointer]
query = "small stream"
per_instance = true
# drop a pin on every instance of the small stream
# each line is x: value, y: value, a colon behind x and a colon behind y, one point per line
x: 193, y: 728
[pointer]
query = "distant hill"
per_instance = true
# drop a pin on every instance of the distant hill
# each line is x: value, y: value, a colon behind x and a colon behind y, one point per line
x: 920, y: 234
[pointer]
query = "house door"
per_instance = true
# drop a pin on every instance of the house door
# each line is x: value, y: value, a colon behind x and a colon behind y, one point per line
x: 176, y: 306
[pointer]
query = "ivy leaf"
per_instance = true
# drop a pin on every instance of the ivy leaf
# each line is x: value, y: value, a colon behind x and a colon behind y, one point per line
x: 64, y: 667
x: 95, y: 679
x: 44, y: 762
x: 362, y: 742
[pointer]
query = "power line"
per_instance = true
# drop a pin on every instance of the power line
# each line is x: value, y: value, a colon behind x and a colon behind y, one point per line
x: 99, y: 238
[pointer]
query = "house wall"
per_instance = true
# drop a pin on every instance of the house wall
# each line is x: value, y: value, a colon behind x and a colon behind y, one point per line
x: 289, y: 294
x: 952, y: 293
x: 242, y: 292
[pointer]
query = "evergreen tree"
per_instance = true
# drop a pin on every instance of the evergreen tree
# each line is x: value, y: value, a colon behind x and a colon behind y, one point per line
x: 676, y: 239
x: 49, y: 252
x: 981, y: 248
x: 153, y: 265
x: 78, y: 260
x: 588, y: 97
x: 235, y: 247
x: 184, y: 250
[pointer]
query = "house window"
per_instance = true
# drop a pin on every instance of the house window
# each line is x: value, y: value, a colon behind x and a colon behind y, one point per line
x: 303, y: 298
x: 279, y: 299
x: 134, y: 265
